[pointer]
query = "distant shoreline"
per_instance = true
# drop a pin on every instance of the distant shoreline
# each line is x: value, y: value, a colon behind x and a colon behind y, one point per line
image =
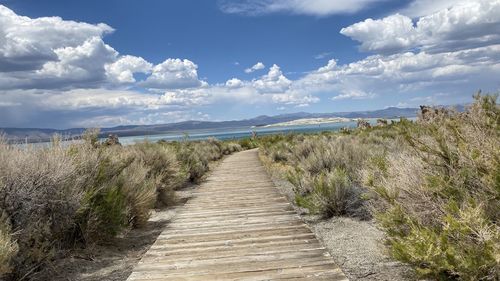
x: 311, y: 121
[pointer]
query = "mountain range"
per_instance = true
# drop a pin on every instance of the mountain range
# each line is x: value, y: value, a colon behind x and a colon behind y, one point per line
x: 38, y: 134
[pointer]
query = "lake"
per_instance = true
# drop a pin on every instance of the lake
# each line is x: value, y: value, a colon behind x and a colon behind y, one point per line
x: 229, y: 133
x: 243, y: 132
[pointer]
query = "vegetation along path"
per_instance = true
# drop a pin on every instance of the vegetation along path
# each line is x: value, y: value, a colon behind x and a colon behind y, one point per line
x: 237, y: 226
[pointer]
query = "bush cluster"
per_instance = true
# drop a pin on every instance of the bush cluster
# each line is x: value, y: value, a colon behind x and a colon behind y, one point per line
x: 324, y: 170
x: 56, y: 198
x: 194, y: 157
x: 439, y: 198
x: 433, y: 185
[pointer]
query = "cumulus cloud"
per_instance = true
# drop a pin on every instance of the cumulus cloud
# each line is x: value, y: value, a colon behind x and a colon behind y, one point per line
x: 234, y: 83
x: 83, y: 63
x: 123, y: 69
x: 27, y: 44
x: 390, y: 34
x: 52, y: 53
x: 78, y: 66
x: 255, y: 67
x: 173, y: 74
x: 273, y: 82
x: 469, y: 24
x: 310, y: 7
x: 405, y: 73
x: 418, y: 8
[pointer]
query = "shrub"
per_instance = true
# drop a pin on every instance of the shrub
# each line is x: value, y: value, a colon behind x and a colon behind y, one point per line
x: 163, y: 168
x: 63, y: 196
x: 41, y: 193
x: 333, y: 194
x: 209, y: 150
x: 8, y: 247
x: 325, y: 171
x: 103, y: 213
x: 140, y: 190
x: 230, y: 147
x: 248, y: 143
x: 193, y: 164
x: 441, y: 193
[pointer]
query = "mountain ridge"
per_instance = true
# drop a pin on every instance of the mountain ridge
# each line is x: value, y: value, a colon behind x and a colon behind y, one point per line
x: 44, y: 134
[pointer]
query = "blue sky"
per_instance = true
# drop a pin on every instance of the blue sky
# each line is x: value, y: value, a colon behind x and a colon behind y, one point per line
x: 104, y: 63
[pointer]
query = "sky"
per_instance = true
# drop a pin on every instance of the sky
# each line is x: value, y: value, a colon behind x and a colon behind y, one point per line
x: 103, y: 63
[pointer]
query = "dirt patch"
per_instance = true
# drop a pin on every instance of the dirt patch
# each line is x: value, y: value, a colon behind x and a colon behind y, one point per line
x: 355, y: 245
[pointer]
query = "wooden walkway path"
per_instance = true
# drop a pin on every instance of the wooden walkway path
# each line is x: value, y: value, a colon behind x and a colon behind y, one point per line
x: 237, y: 226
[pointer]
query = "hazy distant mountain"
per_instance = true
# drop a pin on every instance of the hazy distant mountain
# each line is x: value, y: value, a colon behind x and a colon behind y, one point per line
x: 36, y: 134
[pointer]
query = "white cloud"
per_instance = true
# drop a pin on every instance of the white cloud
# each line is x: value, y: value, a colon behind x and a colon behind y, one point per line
x: 255, y: 67
x: 26, y: 44
x: 310, y: 7
x: 323, y: 55
x: 173, y: 74
x: 419, y: 8
x: 470, y: 24
x: 123, y: 69
x: 353, y: 94
x: 390, y: 34
x: 406, y: 73
x: 52, y: 53
x: 234, y: 83
x: 79, y: 66
x: 273, y: 82
x: 83, y: 62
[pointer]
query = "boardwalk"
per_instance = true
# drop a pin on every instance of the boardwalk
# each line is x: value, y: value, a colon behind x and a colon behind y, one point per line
x: 237, y: 227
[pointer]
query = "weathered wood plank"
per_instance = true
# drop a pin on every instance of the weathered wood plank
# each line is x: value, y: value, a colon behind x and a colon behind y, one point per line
x: 237, y: 226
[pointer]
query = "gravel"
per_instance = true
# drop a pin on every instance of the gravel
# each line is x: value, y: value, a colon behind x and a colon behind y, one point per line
x: 355, y: 245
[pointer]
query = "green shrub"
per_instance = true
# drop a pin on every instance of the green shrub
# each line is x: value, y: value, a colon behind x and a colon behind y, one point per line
x: 332, y: 194
x: 192, y: 163
x: 103, y: 213
x: 440, y: 196
x: 248, y: 143
x: 163, y: 168
x: 230, y: 147
x: 140, y: 191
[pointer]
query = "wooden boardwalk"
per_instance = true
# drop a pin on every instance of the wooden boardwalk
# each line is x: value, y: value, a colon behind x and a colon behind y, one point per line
x: 237, y: 226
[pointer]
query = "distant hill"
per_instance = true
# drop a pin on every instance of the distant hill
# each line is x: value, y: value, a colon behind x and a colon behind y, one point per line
x: 37, y: 134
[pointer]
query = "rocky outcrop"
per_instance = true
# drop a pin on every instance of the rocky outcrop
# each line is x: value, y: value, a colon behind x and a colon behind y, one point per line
x: 363, y: 124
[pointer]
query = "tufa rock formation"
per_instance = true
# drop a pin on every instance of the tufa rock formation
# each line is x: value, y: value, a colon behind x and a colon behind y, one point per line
x: 363, y: 124
x: 111, y: 140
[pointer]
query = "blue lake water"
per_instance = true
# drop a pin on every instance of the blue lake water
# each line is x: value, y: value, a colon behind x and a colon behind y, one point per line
x: 239, y: 133
x: 229, y: 133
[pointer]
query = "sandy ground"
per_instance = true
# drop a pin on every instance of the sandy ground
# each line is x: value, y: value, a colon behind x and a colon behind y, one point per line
x: 355, y: 245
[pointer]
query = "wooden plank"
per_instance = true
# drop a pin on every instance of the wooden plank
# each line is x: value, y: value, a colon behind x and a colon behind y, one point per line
x: 237, y: 226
